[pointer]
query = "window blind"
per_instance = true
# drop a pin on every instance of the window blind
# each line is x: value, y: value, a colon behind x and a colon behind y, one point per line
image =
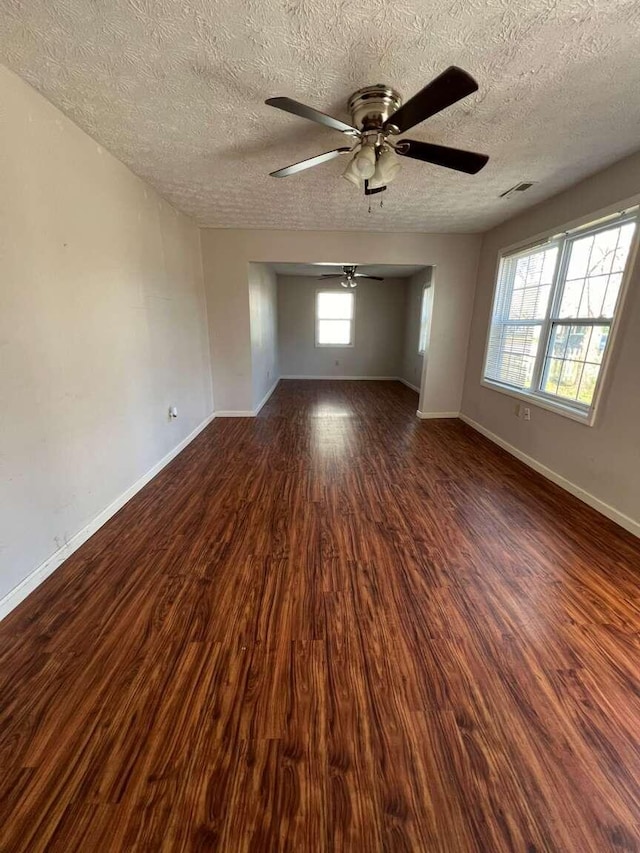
x: 520, y: 307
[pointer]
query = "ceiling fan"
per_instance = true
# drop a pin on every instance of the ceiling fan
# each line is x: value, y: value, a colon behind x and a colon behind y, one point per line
x: 349, y: 275
x: 378, y: 115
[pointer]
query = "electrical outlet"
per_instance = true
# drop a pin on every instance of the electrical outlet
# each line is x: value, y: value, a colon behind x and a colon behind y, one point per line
x: 526, y: 414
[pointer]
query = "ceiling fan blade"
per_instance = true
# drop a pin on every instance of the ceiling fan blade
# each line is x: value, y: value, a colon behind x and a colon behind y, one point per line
x: 370, y: 277
x: 302, y: 110
x: 342, y: 275
x: 308, y: 164
x: 450, y: 86
x: 441, y: 155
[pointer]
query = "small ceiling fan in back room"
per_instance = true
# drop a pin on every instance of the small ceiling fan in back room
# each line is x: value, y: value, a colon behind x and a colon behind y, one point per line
x: 349, y: 277
x: 378, y: 116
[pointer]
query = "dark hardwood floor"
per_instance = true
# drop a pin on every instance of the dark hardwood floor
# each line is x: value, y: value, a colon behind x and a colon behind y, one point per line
x: 330, y: 628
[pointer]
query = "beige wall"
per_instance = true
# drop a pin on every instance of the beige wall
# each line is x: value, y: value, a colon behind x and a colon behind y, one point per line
x: 603, y: 460
x: 412, y: 360
x: 102, y: 328
x: 263, y: 309
x: 379, y: 330
x: 227, y: 253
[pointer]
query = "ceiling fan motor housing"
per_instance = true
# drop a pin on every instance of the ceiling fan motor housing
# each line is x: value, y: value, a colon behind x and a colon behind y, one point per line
x: 371, y: 106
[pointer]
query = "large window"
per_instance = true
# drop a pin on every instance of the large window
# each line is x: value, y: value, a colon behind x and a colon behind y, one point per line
x: 334, y: 318
x: 553, y: 310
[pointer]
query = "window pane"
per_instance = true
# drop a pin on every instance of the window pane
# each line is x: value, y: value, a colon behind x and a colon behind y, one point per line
x: 333, y: 305
x: 515, y: 349
x: 624, y: 244
x: 562, y: 377
x: 593, y: 296
x: 603, y: 252
x: 571, y: 298
x: 552, y: 375
x: 424, y: 318
x: 579, y: 258
x: 594, y: 272
x: 588, y: 383
x: 559, y: 340
x: 529, y: 303
x: 611, y: 296
x: 573, y: 361
x: 578, y: 342
x: 532, y: 279
x: 334, y: 331
x: 569, y: 381
x: 597, y: 344
x: 520, y: 306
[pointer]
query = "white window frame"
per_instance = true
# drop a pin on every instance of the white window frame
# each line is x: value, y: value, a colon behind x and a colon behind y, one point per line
x: 585, y: 414
x: 352, y: 319
x: 423, y: 330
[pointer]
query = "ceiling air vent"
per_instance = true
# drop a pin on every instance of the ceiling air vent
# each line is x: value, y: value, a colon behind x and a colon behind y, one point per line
x: 523, y: 186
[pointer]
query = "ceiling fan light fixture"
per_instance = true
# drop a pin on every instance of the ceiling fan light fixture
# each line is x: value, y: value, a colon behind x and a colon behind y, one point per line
x: 365, y: 161
x: 376, y: 183
x: 387, y: 168
x: 352, y: 175
x: 349, y: 277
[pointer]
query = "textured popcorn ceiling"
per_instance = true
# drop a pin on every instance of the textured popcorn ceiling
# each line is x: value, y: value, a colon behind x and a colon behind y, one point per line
x: 175, y: 89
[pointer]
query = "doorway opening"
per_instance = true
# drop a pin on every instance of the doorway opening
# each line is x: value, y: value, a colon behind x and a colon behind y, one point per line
x: 313, y: 321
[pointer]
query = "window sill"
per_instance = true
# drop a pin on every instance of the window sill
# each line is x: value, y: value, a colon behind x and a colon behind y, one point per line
x: 585, y: 417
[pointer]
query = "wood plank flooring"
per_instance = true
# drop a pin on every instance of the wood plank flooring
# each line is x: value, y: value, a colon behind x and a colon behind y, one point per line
x: 330, y: 628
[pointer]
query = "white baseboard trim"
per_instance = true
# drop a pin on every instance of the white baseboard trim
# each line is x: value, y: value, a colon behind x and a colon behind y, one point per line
x: 586, y: 497
x: 351, y: 378
x: 38, y: 575
x: 429, y: 415
x: 408, y: 384
x: 266, y: 396
x: 245, y: 413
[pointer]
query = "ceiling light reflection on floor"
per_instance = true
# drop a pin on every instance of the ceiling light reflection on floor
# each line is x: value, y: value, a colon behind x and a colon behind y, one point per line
x: 331, y: 411
x: 333, y: 435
